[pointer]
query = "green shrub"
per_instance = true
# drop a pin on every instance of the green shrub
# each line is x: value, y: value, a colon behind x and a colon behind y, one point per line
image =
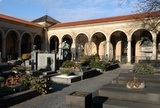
x: 67, y: 72
x: 143, y: 69
x: 68, y: 64
x: 101, y: 65
x: 42, y: 85
x: 94, y: 58
x: 154, y: 63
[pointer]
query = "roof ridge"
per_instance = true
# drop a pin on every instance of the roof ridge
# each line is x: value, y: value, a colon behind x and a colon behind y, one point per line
x: 15, y: 19
x: 107, y: 19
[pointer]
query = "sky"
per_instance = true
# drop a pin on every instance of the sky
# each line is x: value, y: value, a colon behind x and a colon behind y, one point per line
x: 65, y: 10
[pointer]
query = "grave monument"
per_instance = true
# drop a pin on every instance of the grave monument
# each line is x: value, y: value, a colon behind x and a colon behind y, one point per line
x: 146, y: 49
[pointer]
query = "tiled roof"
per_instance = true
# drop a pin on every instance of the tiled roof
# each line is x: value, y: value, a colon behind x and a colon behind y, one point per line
x: 109, y: 19
x: 46, y: 18
x: 6, y: 17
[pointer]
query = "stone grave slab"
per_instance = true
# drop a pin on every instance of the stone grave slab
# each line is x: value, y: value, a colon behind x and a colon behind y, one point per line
x: 65, y: 79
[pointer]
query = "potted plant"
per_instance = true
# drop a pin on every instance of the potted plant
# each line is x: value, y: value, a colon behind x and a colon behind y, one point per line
x: 79, y: 99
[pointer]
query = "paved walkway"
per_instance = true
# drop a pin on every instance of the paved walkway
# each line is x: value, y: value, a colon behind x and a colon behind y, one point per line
x: 57, y: 98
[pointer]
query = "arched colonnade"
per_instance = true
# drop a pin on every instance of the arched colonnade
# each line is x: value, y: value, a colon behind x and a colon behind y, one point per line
x: 118, y: 45
x: 13, y: 43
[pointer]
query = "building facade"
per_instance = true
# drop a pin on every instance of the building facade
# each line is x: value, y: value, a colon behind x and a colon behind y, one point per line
x: 118, y: 38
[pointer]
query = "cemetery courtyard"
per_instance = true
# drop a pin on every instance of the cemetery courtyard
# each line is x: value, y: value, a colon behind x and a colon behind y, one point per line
x: 57, y: 99
x: 99, y: 63
x: 115, y: 87
x: 38, y: 80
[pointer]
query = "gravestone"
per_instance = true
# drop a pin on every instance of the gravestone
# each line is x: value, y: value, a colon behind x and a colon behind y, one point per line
x: 46, y: 61
x: 33, y: 61
x: 60, y: 54
x: 146, y: 53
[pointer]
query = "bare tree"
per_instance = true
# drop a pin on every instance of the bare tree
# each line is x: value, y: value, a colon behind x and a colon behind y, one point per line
x: 148, y: 6
x: 148, y: 12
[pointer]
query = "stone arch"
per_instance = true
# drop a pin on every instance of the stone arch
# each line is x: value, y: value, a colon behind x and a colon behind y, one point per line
x: 26, y: 43
x: 54, y: 43
x: 109, y: 37
x: 12, y: 42
x: 100, y: 32
x: 98, y: 44
x: 31, y: 36
x: 82, y: 42
x: 118, y: 46
x: 37, y: 42
x: 136, y: 38
x: 66, y: 45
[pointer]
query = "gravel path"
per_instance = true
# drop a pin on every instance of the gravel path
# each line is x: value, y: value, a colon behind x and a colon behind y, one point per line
x: 57, y: 98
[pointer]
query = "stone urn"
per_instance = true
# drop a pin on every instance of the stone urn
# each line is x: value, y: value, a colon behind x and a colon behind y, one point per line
x: 135, y: 83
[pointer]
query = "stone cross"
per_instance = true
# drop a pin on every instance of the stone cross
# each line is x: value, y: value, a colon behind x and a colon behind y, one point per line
x: 32, y: 63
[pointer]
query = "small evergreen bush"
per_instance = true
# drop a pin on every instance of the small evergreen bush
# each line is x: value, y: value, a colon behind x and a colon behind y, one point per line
x: 101, y: 65
x: 68, y: 64
x: 143, y: 69
x: 67, y: 72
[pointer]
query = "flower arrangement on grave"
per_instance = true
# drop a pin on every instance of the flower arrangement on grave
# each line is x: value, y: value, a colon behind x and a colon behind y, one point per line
x: 42, y: 85
x: 13, y: 79
x: 135, y: 83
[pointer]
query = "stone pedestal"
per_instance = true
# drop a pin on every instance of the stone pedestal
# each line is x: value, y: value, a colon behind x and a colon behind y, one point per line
x: 79, y: 99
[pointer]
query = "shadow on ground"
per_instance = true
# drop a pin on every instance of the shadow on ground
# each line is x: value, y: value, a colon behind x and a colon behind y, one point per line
x: 58, y: 86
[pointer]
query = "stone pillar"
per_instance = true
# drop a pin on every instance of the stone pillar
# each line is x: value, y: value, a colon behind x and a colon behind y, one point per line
x: 19, y: 48
x: 90, y: 48
x: 118, y: 51
x: 154, y: 54
x: 108, y: 49
x: 46, y: 41
x: 32, y: 43
x: 73, y: 49
x: 4, y: 49
x: 105, y: 52
x: 129, y: 52
x: 60, y: 51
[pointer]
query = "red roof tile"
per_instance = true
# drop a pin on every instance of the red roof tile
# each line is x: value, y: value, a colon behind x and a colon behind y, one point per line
x: 2, y: 16
x: 109, y: 19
